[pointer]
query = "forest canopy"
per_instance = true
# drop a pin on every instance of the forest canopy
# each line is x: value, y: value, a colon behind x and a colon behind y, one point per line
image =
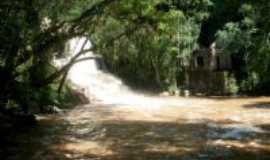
x: 147, y: 42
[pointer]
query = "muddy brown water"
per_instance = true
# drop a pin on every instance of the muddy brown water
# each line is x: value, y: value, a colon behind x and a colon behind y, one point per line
x: 196, y: 129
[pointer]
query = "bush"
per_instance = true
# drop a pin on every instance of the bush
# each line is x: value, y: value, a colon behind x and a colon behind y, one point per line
x: 231, y: 86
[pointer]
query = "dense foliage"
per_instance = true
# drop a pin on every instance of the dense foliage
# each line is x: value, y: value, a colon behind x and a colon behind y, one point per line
x: 248, y: 39
x: 148, y: 42
x: 159, y: 34
x: 32, y: 34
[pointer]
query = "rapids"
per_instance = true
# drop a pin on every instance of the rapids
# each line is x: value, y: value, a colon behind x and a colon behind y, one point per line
x: 121, y: 124
x: 98, y: 84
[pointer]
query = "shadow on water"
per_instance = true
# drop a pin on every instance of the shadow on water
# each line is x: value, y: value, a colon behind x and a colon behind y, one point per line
x: 20, y: 141
x: 136, y: 140
x: 258, y: 105
x: 57, y: 139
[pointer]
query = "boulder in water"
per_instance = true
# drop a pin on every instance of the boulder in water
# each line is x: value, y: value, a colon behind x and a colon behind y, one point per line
x: 165, y: 94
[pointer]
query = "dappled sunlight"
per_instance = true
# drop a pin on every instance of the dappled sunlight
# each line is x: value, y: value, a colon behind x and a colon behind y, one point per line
x: 84, y: 148
x: 121, y: 124
x: 174, y: 132
x: 121, y: 132
x: 134, y: 80
x: 253, y: 145
x: 166, y: 148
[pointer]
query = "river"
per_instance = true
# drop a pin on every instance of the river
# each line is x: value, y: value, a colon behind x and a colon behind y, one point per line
x: 121, y: 124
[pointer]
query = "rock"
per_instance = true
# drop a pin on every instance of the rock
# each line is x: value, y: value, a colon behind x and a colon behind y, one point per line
x: 68, y: 155
x: 55, y: 109
x: 177, y: 93
x: 80, y: 95
x: 239, y: 132
x: 186, y: 93
x: 165, y: 94
x: 51, y: 109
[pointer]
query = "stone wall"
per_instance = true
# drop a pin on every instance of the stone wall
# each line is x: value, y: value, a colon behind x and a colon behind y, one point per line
x: 208, y: 71
x: 207, y: 82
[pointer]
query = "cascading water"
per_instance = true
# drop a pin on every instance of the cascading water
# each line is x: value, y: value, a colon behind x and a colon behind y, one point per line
x: 107, y: 88
x: 92, y: 77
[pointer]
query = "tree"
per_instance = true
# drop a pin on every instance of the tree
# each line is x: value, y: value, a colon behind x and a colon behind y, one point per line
x: 161, y: 32
x: 32, y: 33
x: 249, y: 39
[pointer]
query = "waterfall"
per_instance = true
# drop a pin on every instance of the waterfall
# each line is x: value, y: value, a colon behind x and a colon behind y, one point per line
x: 98, y: 84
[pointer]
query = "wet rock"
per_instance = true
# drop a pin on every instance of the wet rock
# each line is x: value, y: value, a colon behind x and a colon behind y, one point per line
x: 81, y: 96
x: 52, y: 110
x: 240, y: 132
x: 235, y: 131
x: 177, y: 93
x: 55, y: 109
x: 186, y: 93
x: 165, y: 94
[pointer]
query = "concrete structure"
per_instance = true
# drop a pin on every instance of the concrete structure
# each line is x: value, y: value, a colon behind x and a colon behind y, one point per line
x: 208, y: 72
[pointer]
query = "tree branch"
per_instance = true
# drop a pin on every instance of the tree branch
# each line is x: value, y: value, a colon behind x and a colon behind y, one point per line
x: 74, y: 60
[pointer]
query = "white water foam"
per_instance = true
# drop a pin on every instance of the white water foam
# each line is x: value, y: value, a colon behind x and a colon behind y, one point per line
x: 101, y: 85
